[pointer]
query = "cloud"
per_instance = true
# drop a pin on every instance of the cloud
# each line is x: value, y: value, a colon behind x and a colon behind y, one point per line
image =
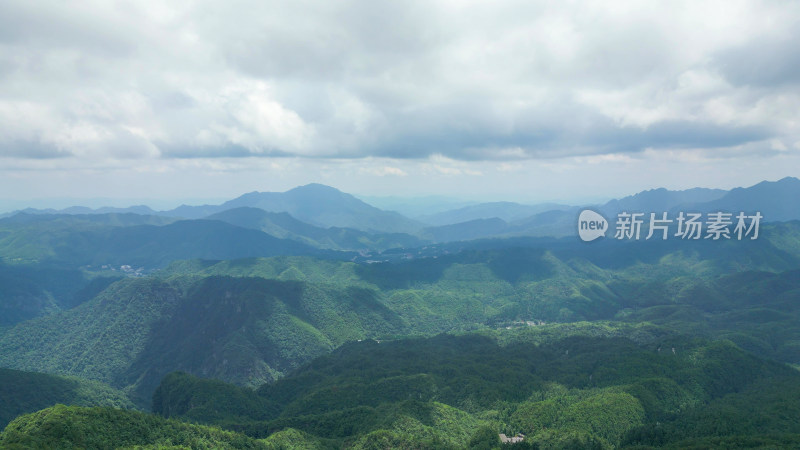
x: 473, y: 81
x: 442, y: 165
x: 383, y: 171
x: 31, y: 150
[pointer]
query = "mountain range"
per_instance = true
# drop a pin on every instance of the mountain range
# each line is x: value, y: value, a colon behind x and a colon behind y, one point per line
x: 253, y: 320
x: 575, y: 342
x: 283, y: 225
x: 355, y: 221
x: 506, y: 211
x: 316, y: 204
x: 307, y: 319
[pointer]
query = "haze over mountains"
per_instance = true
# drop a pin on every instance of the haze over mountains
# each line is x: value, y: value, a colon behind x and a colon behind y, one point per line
x: 316, y: 204
x: 316, y: 220
x: 507, y: 211
x: 325, y: 207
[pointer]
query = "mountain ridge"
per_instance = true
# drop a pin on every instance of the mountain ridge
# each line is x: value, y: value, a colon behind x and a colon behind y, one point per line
x: 327, y: 207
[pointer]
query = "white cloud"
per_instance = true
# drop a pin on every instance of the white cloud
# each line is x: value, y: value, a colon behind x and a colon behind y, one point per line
x: 153, y: 84
x: 383, y: 171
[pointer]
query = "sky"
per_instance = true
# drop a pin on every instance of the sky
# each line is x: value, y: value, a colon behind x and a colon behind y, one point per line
x: 531, y: 101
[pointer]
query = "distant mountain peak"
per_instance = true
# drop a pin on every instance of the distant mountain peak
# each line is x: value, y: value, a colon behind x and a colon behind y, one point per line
x: 315, y: 186
x: 783, y: 182
x: 776, y: 200
x: 662, y: 199
x: 317, y: 204
x: 310, y: 188
x: 317, y: 190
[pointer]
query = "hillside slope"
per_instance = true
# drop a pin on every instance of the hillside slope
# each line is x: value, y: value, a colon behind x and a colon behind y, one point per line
x: 244, y: 330
x: 65, y: 241
x: 574, y: 392
x: 284, y: 226
x: 26, y: 392
x: 77, y: 427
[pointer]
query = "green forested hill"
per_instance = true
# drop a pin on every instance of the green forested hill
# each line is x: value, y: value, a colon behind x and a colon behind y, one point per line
x: 576, y: 391
x: 96, y: 340
x: 253, y: 320
x: 756, y: 309
x: 282, y: 225
x: 26, y: 392
x: 569, y: 330
x: 245, y: 330
x: 50, y: 263
x: 460, y: 392
x: 70, y: 427
x: 71, y: 242
x: 27, y: 292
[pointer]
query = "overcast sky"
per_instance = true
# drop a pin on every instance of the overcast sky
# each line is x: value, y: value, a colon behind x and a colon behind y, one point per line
x: 525, y: 100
